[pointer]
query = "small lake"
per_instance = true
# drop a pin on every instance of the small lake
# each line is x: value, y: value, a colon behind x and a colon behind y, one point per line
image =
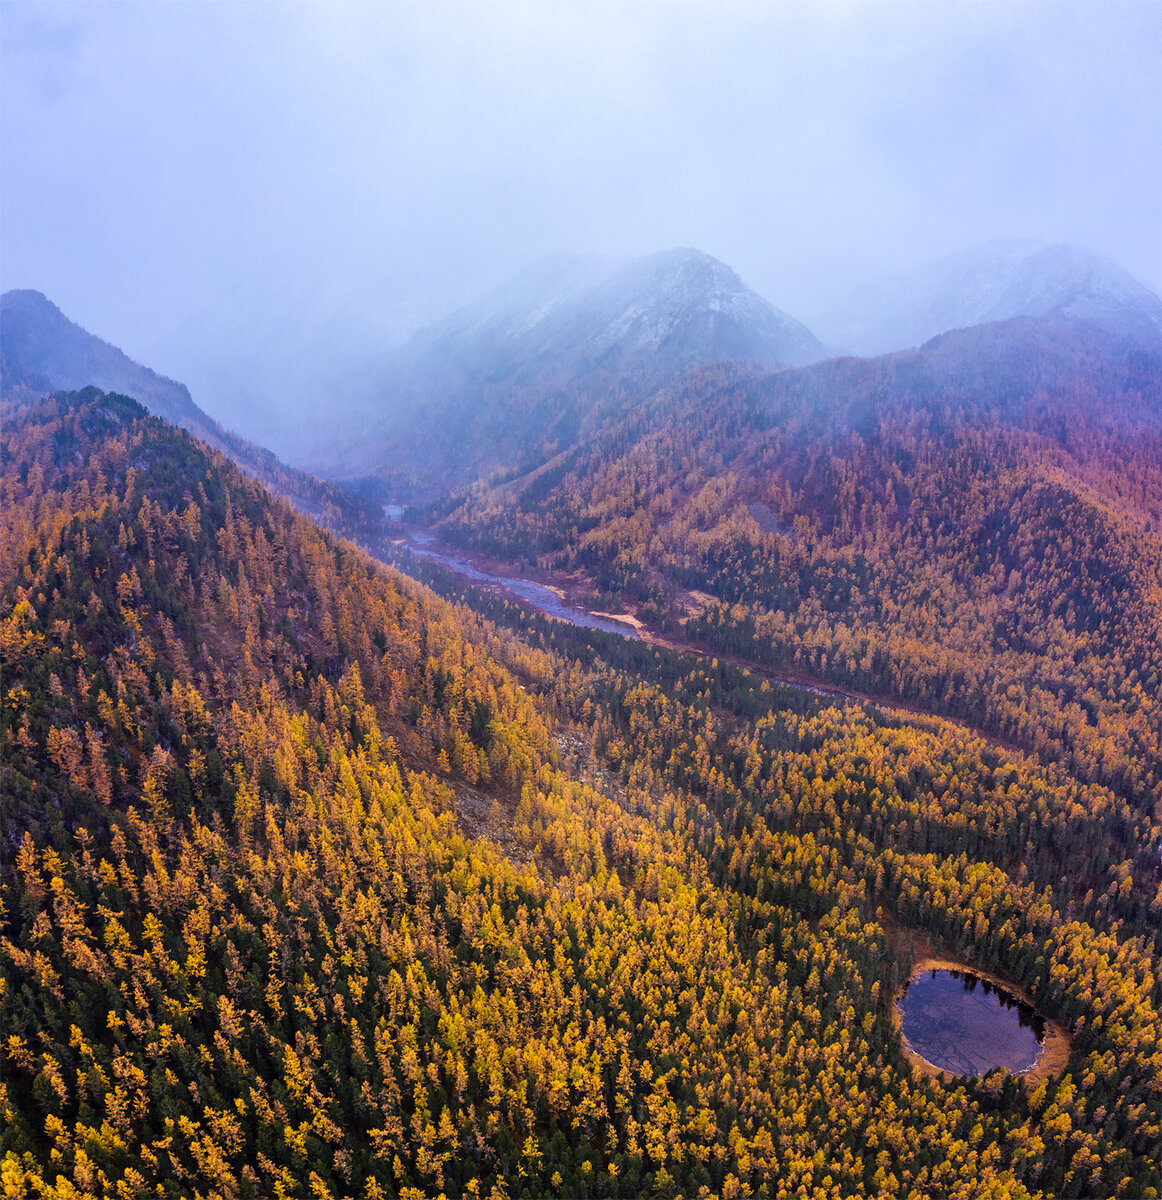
x: 966, y: 1025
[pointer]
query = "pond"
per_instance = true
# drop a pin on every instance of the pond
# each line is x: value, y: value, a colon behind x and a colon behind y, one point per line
x: 966, y: 1025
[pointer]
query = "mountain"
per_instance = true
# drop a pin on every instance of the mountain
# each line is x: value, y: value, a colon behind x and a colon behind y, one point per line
x: 314, y: 885
x: 676, y: 309
x: 971, y: 526
x: 522, y: 371
x: 993, y: 282
x: 42, y: 351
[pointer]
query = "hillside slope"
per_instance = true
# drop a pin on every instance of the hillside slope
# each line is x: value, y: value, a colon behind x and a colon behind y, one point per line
x: 42, y: 351
x: 971, y: 527
x: 251, y: 942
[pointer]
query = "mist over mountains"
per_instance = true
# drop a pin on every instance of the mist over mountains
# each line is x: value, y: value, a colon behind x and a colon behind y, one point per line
x: 993, y: 282
x: 524, y: 368
x: 572, y: 313
x: 573, y: 343
x: 42, y: 351
x: 271, y: 342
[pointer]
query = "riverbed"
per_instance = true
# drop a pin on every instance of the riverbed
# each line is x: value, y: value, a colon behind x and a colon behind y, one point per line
x: 546, y: 599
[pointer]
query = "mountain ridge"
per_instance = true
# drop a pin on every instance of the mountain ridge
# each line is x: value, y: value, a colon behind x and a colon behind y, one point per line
x: 43, y: 351
x: 998, y: 280
x: 628, y: 305
x: 522, y: 369
x: 870, y: 478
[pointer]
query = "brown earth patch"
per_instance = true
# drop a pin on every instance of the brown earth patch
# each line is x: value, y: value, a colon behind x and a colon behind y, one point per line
x: 624, y: 618
x: 483, y: 816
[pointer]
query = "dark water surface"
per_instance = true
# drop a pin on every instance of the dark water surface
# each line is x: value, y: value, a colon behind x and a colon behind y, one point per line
x: 966, y: 1025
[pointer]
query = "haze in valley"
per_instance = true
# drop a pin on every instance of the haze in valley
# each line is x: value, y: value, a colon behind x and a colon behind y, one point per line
x: 257, y: 199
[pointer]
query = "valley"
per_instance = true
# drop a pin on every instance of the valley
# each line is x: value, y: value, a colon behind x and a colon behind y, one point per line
x: 321, y: 880
x: 551, y: 596
x: 580, y: 600
x: 546, y: 597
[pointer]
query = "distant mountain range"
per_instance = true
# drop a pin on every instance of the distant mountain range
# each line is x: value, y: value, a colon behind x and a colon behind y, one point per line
x: 42, y: 351
x: 532, y: 365
x: 573, y: 344
x: 993, y: 282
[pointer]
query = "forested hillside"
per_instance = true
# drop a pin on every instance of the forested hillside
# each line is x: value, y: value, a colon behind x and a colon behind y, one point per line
x: 316, y: 885
x: 972, y: 528
x: 42, y: 351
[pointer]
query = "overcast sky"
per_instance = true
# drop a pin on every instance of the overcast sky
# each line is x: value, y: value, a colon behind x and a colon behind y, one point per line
x: 234, y: 192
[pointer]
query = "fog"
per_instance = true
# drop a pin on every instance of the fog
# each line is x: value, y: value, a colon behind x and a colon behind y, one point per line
x: 255, y: 197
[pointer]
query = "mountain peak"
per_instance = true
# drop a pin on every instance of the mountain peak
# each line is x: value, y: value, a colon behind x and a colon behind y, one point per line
x: 689, y: 259
x: 679, y: 307
x: 553, y: 352
x: 26, y: 300
x: 995, y: 281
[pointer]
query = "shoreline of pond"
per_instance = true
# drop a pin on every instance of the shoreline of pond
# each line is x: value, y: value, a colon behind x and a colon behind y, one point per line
x: 1055, y: 1046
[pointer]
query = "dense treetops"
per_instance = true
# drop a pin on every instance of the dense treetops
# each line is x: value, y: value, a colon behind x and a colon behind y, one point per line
x: 247, y: 946
x: 971, y: 527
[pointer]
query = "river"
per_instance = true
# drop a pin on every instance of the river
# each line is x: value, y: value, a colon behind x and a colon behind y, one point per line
x: 421, y: 544
x: 535, y: 594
